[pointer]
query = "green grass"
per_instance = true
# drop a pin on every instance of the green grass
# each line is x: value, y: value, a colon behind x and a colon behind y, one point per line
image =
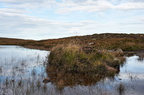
x: 73, y: 58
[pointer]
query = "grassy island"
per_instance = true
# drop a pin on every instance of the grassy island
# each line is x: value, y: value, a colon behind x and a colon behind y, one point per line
x: 75, y: 58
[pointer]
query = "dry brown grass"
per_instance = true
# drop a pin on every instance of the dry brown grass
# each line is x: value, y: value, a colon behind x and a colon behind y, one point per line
x: 127, y: 42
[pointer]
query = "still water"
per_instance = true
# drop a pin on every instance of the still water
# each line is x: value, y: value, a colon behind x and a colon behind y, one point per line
x: 22, y: 72
x: 21, y: 69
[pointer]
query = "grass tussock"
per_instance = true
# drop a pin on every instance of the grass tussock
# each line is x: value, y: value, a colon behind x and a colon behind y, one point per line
x: 74, y: 58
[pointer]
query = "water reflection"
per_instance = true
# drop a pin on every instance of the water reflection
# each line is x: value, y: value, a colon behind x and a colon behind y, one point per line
x: 62, y: 78
x: 16, y: 60
x: 132, y: 75
x: 21, y: 69
x: 123, y: 83
x: 22, y: 72
x: 133, y: 65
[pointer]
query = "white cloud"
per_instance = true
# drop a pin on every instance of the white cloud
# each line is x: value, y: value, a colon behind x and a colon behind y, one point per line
x: 137, y: 0
x: 8, y: 10
x: 18, y: 25
x: 130, y: 6
x: 67, y: 6
x: 142, y: 19
x: 89, y: 5
x: 97, y: 5
x: 15, y: 20
x: 28, y: 4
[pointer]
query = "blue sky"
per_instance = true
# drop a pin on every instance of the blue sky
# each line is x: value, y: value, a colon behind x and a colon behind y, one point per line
x: 47, y: 19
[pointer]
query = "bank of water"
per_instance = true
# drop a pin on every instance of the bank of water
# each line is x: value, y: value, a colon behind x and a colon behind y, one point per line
x: 22, y: 72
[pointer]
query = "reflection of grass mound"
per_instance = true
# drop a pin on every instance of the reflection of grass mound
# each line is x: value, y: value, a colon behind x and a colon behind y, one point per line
x: 74, y: 58
x: 62, y: 79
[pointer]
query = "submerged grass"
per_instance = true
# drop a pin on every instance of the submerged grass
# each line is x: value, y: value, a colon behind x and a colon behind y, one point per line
x: 75, y: 58
x: 121, y: 89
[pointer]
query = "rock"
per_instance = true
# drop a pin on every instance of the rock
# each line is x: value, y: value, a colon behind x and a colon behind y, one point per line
x: 119, y: 50
x: 46, y: 80
x: 116, y: 51
x: 87, y: 49
x: 13, y: 80
x: 91, y: 43
x: 110, y: 50
x: 110, y: 69
x: 120, y: 79
x: 116, y: 59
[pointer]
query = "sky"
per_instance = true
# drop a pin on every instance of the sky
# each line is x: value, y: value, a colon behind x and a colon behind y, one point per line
x: 48, y: 19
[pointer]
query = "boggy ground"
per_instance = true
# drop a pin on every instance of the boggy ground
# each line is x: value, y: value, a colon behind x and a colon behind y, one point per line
x: 96, y: 55
x: 126, y: 42
x: 91, y: 50
x: 89, y: 47
x: 87, y: 59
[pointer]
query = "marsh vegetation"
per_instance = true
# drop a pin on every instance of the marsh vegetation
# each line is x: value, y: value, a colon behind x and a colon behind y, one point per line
x: 104, y: 64
x: 78, y: 59
x: 22, y: 72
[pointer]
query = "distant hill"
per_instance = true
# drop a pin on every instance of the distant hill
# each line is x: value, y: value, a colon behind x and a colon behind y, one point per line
x: 13, y: 41
x: 107, y: 41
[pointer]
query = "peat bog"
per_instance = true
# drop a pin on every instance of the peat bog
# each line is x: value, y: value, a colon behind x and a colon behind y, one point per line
x: 99, y: 64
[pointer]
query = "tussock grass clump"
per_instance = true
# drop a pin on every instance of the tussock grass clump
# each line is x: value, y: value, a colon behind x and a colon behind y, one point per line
x: 73, y: 58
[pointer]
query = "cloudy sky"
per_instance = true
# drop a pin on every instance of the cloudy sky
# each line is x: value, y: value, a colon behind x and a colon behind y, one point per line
x: 46, y: 19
